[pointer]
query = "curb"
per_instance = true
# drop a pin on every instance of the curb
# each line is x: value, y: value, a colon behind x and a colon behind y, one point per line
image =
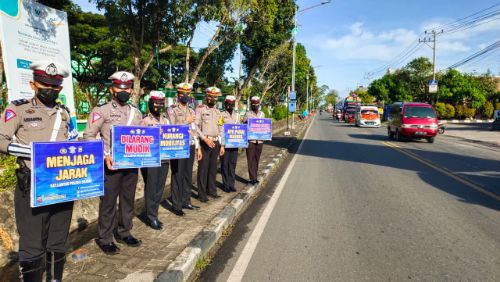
x: 468, y: 121
x: 185, y: 263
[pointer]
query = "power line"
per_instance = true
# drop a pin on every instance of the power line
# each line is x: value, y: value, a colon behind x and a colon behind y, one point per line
x: 476, y: 55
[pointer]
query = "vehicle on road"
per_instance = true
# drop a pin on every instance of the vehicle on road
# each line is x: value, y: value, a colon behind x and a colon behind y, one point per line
x: 441, y: 127
x: 367, y: 116
x: 413, y: 121
x: 350, y: 115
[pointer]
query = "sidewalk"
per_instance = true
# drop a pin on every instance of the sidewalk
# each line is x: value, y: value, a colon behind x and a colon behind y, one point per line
x: 160, y: 248
x: 479, y: 133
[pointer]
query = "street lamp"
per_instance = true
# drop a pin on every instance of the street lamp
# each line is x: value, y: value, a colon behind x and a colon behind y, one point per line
x: 294, y: 33
x: 307, y: 86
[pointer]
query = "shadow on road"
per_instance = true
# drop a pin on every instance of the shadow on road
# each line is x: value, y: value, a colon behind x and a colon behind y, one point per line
x: 382, y: 155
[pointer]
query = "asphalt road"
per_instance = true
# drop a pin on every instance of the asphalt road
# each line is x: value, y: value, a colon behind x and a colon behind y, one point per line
x: 356, y: 207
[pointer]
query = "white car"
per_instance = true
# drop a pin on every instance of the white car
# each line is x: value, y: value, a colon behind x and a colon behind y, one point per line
x: 367, y: 116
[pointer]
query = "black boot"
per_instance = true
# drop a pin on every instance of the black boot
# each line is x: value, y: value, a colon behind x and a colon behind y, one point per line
x: 55, y: 266
x: 31, y: 270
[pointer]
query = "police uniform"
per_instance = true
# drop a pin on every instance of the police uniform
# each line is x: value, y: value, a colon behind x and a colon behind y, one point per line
x: 254, y: 149
x: 154, y: 177
x: 182, y: 169
x: 209, y: 126
x: 230, y: 157
x: 119, y: 183
x: 42, y: 230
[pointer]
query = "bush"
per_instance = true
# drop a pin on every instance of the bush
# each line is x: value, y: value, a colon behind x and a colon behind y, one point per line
x: 497, y: 106
x: 7, y: 172
x: 440, y: 110
x: 460, y: 111
x: 450, y: 111
x: 488, y: 109
x: 470, y: 112
x: 279, y: 112
x: 266, y: 112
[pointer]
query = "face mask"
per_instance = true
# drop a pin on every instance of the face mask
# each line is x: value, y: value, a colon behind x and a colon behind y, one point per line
x: 229, y: 107
x: 47, y: 95
x: 255, y: 108
x: 184, y: 99
x: 123, y: 96
x: 210, y: 102
x: 156, y: 108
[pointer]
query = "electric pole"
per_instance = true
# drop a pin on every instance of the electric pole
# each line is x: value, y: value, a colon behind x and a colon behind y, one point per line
x: 432, y: 39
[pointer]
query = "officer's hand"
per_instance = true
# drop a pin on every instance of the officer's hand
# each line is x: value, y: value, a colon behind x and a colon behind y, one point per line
x: 190, y: 119
x: 109, y: 162
x: 199, y: 155
x: 209, y: 142
x: 221, y: 151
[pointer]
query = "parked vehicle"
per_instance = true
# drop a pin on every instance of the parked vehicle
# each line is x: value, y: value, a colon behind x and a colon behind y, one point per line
x: 413, y: 121
x: 367, y: 116
x: 441, y: 127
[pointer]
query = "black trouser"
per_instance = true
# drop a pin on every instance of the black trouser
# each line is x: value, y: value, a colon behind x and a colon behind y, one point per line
x: 228, y: 168
x: 253, y: 156
x: 42, y: 229
x: 182, y: 180
x: 207, y: 170
x: 120, y: 184
x: 154, y: 186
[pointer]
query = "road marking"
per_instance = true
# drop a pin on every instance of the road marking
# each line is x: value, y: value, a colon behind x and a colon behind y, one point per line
x: 443, y: 170
x: 246, y: 255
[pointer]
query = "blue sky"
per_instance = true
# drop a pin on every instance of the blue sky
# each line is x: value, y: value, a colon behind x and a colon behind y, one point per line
x: 349, y: 38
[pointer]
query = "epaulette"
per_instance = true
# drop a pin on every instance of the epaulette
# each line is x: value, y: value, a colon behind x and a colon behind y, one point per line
x: 20, y: 102
x: 64, y: 107
x: 101, y: 104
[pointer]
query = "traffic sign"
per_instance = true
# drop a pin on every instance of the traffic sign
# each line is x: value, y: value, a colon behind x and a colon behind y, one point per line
x: 292, y: 106
x: 293, y: 95
x: 433, y: 86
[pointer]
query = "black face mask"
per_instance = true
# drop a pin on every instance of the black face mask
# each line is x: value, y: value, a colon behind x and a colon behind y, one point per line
x: 155, y: 108
x: 123, y: 96
x: 48, y: 96
x: 210, y: 102
x: 254, y: 107
x: 229, y: 107
x: 184, y: 99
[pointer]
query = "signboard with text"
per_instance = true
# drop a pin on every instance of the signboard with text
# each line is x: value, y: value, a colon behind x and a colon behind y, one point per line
x: 135, y: 146
x: 235, y: 135
x: 260, y: 129
x: 174, y: 142
x: 66, y: 171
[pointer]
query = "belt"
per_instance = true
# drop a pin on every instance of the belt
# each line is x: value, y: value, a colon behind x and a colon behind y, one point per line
x: 213, y: 138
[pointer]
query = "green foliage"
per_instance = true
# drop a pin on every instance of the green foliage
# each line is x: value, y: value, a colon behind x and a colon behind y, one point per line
x: 440, y: 110
x: 464, y: 112
x: 497, y: 106
x: 488, y: 110
x: 280, y: 112
x: 266, y: 112
x: 8, y: 172
x: 450, y: 111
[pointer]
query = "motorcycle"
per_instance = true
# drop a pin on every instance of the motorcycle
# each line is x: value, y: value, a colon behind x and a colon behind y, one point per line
x: 441, y: 127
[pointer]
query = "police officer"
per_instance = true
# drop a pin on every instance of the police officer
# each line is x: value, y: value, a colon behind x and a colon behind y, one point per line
x: 155, y: 177
x: 182, y: 169
x: 118, y: 183
x: 209, y: 126
x: 43, y: 231
x: 254, y: 146
x: 230, y: 157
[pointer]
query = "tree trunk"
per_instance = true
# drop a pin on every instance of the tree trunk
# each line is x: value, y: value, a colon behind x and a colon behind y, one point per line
x: 188, y: 54
x: 210, y: 48
x: 249, y: 77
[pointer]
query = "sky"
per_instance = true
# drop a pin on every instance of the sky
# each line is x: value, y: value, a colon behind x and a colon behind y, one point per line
x: 352, y: 42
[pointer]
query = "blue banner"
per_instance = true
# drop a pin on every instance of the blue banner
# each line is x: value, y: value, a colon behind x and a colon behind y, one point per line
x: 174, y: 142
x: 135, y: 146
x: 260, y: 129
x: 66, y: 171
x: 235, y: 135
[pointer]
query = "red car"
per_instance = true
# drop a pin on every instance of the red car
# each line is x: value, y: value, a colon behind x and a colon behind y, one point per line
x: 350, y: 116
x: 412, y: 120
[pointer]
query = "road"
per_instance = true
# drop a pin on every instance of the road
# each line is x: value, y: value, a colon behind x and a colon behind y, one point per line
x: 352, y: 206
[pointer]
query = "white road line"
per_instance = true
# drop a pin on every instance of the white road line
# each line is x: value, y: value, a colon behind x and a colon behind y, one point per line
x: 246, y: 255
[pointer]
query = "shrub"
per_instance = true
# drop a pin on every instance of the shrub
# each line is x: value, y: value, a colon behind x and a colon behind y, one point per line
x: 470, y: 112
x: 266, y: 112
x: 450, y: 111
x: 440, y: 110
x: 279, y: 112
x: 497, y: 106
x: 488, y: 109
x: 7, y: 172
x: 460, y: 111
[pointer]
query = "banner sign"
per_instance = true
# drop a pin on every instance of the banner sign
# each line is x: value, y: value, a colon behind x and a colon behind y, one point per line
x: 174, y: 143
x: 135, y: 146
x: 66, y: 171
x: 31, y: 31
x: 235, y: 135
x: 260, y: 129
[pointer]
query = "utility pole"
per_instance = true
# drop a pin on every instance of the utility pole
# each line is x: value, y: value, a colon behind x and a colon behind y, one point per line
x: 307, y: 90
x: 432, y: 39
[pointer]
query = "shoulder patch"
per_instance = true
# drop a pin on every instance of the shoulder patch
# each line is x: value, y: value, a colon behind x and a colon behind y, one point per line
x: 170, y: 111
x: 9, y: 114
x: 20, y: 102
x: 96, y: 117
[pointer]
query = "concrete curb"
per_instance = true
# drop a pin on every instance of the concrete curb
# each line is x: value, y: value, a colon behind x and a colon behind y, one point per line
x: 456, y: 121
x: 184, y: 265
